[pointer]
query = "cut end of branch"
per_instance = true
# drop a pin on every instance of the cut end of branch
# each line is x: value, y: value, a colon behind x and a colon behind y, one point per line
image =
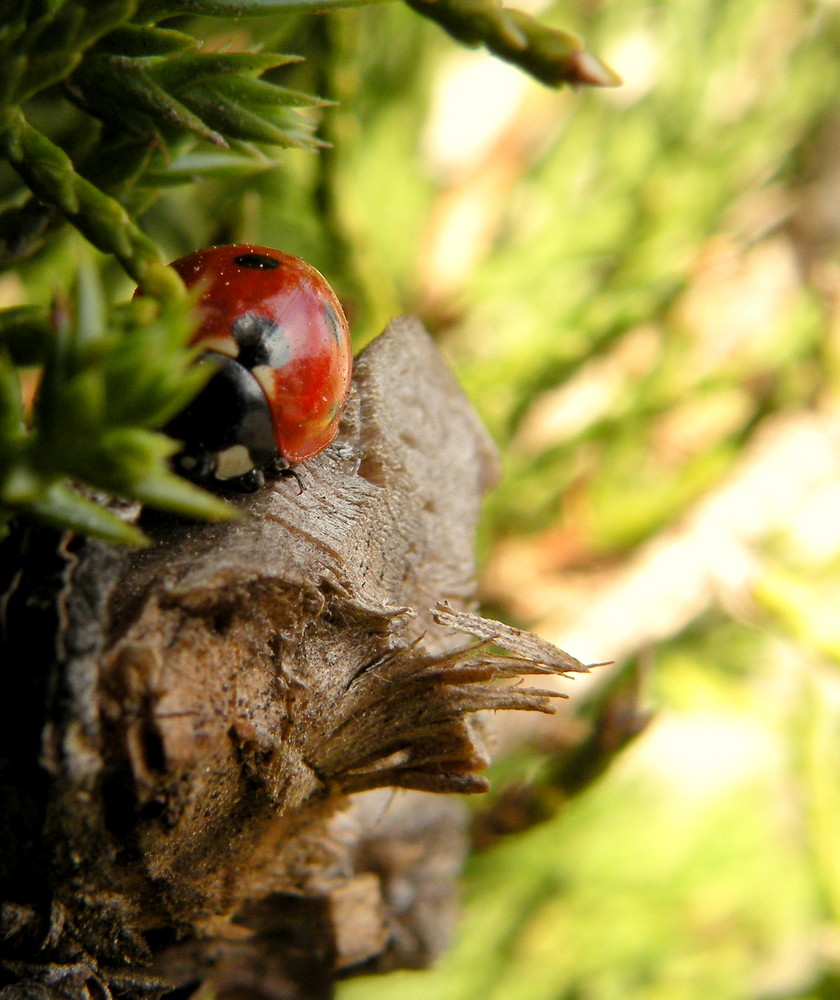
x: 235, y: 683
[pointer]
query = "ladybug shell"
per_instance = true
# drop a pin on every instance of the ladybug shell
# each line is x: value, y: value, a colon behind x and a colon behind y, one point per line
x: 277, y: 317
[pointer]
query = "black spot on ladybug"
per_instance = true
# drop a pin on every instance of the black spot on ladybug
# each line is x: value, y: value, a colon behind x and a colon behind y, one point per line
x: 258, y: 261
x: 261, y: 342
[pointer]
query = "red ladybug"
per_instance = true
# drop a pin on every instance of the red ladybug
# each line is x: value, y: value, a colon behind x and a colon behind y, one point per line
x: 282, y: 351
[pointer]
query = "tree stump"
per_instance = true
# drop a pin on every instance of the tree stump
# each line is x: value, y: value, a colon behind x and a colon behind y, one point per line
x: 201, y: 739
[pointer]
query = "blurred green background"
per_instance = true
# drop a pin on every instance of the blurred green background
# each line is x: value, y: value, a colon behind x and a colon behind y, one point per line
x: 639, y: 291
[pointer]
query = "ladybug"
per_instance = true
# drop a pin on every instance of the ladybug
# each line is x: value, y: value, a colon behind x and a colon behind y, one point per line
x: 280, y: 344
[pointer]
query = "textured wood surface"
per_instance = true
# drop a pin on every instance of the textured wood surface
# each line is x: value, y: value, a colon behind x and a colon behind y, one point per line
x: 213, y: 727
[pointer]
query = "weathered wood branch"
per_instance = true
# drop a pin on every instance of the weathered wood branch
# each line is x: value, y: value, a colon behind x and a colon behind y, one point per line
x: 188, y: 728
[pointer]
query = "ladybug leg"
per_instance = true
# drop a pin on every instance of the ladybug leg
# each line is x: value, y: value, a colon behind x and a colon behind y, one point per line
x: 248, y: 482
x: 279, y: 467
x: 198, y: 466
x: 289, y: 473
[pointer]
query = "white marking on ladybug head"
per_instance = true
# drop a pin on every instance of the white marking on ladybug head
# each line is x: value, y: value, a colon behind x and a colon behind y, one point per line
x: 232, y: 462
x: 264, y: 374
x: 220, y: 345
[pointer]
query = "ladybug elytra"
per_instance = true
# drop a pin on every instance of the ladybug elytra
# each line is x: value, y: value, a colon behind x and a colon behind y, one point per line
x: 281, y: 348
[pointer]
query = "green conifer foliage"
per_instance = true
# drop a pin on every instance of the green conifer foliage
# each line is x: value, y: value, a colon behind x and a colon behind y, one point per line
x: 102, y: 102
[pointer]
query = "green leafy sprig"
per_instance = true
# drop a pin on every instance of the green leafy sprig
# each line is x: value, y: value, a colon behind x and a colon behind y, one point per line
x: 108, y: 377
x: 550, y: 55
x: 156, y: 93
x: 147, y: 105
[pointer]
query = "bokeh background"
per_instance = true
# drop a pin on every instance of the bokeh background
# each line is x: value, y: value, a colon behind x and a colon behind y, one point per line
x: 639, y: 291
x: 638, y: 288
